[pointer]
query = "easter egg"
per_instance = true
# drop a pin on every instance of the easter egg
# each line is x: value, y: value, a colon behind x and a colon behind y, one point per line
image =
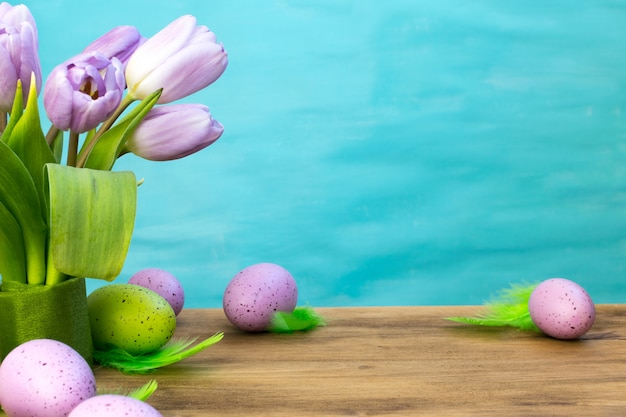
x: 114, y: 405
x: 130, y: 317
x: 561, y: 308
x: 163, y: 283
x: 256, y: 293
x: 44, y: 378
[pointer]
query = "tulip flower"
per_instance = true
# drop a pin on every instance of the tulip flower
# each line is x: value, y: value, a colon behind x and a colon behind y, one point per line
x: 119, y: 43
x: 19, y: 56
x: 173, y: 132
x: 84, y: 91
x: 181, y: 59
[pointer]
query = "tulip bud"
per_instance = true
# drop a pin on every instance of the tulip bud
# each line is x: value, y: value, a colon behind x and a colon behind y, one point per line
x: 84, y: 91
x: 19, y: 56
x: 173, y: 132
x: 181, y: 59
x: 120, y: 42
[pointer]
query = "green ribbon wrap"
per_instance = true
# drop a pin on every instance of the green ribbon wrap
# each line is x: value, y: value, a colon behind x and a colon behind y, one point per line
x: 56, y: 312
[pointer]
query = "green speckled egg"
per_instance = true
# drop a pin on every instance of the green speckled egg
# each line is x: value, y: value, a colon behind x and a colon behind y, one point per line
x: 130, y: 317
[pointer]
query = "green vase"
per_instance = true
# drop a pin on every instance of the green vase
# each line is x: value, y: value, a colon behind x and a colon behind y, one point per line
x: 56, y: 312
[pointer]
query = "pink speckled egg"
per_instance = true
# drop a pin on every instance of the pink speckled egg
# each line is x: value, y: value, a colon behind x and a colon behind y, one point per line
x: 44, y: 378
x: 163, y: 283
x: 256, y: 292
x: 113, y: 405
x: 561, y: 308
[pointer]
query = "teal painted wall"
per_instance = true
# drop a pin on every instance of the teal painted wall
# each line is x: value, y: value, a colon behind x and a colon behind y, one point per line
x: 397, y: 152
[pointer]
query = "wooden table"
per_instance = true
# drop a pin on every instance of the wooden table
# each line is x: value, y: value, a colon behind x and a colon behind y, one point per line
x: 392, y: 361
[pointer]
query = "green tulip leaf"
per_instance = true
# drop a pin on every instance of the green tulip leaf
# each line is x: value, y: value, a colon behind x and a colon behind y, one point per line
x: 92, y: 215
x: 16, y: 112
x: 13, y: 258
x: 109, y: 146
x: 28, y: 141
x: 20, y: 197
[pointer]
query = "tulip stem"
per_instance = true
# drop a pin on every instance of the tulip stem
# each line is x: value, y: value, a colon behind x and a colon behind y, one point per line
x: 126, y: 101
x: 3, y: 121
x: 52, y: 134
x: 72, y: 150
x: 53, y: 276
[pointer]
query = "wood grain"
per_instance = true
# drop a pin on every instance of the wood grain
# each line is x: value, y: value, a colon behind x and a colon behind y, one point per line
x: 392, y: 361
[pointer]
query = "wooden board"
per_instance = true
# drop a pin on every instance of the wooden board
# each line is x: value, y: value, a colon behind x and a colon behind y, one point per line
x: 392, y: 361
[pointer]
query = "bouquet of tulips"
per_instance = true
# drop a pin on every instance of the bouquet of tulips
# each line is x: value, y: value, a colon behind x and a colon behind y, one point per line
x: 63, y: 212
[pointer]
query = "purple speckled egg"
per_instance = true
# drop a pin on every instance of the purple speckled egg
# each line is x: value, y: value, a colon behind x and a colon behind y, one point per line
x: 163, y: 283
x: 561, y: 308
x: 44, y: 378
x: 256, y: 292
x: 114, y: 405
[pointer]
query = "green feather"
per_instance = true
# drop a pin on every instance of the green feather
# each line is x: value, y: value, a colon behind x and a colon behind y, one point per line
x: 172, y: 352
x: 301, y: 319
x: 508, y: 308
x: 142, y: 393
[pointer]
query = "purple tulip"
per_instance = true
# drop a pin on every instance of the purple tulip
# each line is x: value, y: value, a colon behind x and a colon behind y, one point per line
x: 119, y: 43
x: 84, y: 91
x: 182, y: 58
x: 19, y: 56
x: 174, y: 131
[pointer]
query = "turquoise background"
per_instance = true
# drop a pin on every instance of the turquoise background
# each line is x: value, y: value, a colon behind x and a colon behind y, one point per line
x: 388, y: 153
